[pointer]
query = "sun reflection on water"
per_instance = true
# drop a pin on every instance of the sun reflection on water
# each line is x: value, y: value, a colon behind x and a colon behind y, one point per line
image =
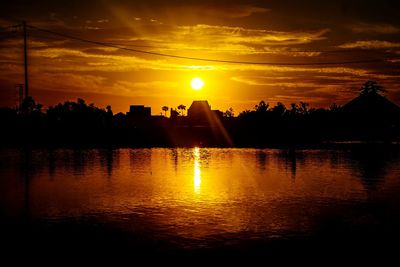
x: 197, y: 172
x: 201, y: 195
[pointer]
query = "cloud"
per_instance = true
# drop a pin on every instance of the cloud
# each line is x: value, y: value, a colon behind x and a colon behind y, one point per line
x: 72, y: 81
x: 202, y: 33
x: 371, y: 44
x: 92, y: 28
x: 145, y: 89
x: 316, y: 91
x: 108, y: 60
x: 66, y: 59
x: 231, y: 11
x: 269, y: 31
x: 226, y: 40
x: 374, y: 28
x: 216, y: 38
x: 204, y: 38
x: 78, y: 82
x: 317, y: 86
x: 267, y: 81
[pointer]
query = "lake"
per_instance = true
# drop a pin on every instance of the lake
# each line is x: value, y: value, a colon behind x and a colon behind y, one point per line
x: 200, y: 199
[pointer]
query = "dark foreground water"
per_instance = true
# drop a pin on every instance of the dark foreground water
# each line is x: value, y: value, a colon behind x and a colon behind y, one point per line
x: 200, y: 201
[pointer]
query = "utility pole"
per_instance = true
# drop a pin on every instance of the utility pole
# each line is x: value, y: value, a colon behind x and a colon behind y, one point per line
x: 20, y: 95
x: 25, y: 59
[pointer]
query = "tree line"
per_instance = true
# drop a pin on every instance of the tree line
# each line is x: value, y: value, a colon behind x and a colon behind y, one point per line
x: 79, y: 123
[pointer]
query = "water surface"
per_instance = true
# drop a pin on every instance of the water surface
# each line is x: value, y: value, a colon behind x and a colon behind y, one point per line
x: 193, y: 198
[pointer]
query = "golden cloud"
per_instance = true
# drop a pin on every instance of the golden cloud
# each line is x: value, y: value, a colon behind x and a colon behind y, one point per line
x: 370, y: 44
x: 202, y: 33
x: 267, y: 81
x: 216, y: 39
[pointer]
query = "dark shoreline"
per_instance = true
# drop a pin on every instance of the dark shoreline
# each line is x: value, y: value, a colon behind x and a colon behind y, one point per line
x: 324, y: 145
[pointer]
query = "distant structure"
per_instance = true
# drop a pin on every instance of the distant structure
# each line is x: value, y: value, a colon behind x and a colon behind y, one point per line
x: 371, y: 104
x: 369, y: 116
x: 139, y: 111
x: 200, y: 113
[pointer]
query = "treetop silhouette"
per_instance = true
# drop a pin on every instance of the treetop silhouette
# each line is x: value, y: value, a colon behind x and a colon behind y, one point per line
x: 371, y: 87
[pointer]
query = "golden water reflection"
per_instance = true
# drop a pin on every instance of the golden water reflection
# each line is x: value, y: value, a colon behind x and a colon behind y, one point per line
x: 194, y: 192
x: 197, y: 170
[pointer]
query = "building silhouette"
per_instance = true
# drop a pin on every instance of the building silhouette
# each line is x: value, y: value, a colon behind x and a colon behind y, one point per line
x: 139, y: 111
x: 201, y: 114
x: 369, y: 116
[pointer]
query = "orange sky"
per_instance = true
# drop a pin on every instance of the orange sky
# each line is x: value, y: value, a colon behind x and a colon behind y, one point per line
x: 259, y: 31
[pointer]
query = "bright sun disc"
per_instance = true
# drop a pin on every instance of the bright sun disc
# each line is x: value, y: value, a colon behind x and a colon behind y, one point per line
x: 197, y: 83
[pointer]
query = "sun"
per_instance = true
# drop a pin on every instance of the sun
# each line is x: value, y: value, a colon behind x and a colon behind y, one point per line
x: 196, y: 83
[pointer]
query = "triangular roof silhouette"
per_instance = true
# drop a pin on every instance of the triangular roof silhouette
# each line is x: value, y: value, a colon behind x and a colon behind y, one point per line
x: 371, y: 103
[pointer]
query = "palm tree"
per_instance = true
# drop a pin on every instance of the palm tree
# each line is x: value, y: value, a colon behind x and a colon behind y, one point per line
x: 182, y: 107
x: 165, y: 109
x: 229, y: 113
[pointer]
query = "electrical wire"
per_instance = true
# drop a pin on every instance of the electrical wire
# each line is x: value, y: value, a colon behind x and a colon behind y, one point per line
x: 123, y: 47
x: 10, y: 27
x: 338, y: 51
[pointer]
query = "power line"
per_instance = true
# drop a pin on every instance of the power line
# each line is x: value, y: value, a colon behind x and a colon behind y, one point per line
x: 10, y: 27
x: 39, y: 35
x: 123, y: 47
x: 366, y: 50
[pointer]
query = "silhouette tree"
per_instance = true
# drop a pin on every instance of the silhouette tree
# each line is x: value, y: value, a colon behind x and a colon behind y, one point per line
x: 29, y: 106
x: 229, y: 113
x: 245, y: 113
x: 294, y: 109
x: 279, y: 109
x: 81, y: 102
x: 303, y: 108
x: 109, y: 115
x: 334, y: 107
x: 165, y: 109
x: 182, y: 108
x: 371, y: 87
x: 109, y: 110
x: 367, y: 117
x: 174, y: 113
x: 262, y: 107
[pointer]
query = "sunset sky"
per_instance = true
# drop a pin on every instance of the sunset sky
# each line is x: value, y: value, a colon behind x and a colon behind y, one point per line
x: 269, y: 31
